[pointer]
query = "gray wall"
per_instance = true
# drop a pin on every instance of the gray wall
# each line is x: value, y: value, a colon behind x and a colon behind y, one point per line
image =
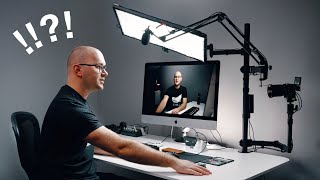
x: 29, y: 82
x: 285, y: 31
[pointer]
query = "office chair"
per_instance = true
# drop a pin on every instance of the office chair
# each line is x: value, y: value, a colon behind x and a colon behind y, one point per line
x: 27, y: 131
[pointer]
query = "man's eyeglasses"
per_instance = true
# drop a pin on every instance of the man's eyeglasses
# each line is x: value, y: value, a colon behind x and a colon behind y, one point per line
x: 99, y: 66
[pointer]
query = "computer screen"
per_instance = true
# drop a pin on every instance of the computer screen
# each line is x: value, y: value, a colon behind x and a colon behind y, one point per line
x: 182, y: 94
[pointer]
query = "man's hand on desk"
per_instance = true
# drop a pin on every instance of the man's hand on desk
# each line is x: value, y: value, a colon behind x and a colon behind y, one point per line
x: 175, y: 111
x: 187, y: 167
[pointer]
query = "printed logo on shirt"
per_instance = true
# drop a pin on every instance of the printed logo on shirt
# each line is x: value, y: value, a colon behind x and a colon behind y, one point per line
x: 176, y: 100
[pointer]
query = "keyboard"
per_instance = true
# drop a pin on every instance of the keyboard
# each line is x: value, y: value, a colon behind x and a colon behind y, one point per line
x: 193, y: 157
x: 191, y: 111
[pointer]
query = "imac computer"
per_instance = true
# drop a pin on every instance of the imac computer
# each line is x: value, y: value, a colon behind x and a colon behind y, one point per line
x: 182, y: 94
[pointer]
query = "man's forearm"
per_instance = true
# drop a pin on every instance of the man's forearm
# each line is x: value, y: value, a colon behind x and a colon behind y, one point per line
x: 139, y: 153
x: 182, y: 107
x: 160, y: 107
x: 100, y: 151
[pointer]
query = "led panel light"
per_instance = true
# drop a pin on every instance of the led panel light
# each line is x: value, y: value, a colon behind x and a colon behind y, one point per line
x: 133, y: 24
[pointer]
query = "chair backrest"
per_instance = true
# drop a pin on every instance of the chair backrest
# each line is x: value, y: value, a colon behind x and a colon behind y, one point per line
x: 27, y: 131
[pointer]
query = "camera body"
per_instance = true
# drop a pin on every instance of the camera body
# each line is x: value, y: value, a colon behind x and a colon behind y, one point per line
x: 288, y: 91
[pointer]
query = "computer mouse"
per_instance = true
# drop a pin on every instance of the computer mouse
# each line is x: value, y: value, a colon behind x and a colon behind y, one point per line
x: 173, y: 154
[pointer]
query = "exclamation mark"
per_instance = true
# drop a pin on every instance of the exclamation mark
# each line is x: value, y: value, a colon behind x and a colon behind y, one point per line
x: 67, y: 18
x: 34, y: 35
x: 22, y: 41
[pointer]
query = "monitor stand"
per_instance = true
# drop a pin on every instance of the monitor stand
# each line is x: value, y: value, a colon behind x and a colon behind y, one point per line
x: 180, y: 139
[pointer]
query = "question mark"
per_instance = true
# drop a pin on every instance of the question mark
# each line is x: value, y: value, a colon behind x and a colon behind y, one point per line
x: 53, y: 26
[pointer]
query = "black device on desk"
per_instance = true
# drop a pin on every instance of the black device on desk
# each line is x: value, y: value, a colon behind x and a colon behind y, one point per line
x: 131, y: 131
x: 191, y: 111
x: 117, y: 129
x: 124, y: 130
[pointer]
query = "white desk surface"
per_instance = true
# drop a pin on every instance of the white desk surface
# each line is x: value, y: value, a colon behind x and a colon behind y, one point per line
x: 244, y: 166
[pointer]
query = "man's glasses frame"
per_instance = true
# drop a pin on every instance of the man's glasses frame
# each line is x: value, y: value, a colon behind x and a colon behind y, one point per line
x: 99, y: 66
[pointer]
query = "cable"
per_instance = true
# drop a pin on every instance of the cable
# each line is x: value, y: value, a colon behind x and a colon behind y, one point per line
x: 219, y: 136
x: 206, y: 140
x: 214, y: 137
x: 253, y: 138
x: 268, y: 148
x: 220, y: 143
x: 159, y: 143
x: 299, y: 100
x: 249, y: 129
x: 164, y: 139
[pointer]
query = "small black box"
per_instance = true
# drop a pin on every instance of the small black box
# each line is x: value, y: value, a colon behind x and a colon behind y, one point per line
x: 190, y: 141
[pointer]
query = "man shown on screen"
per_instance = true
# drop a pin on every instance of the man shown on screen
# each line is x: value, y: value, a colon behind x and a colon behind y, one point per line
x: 175, y: 97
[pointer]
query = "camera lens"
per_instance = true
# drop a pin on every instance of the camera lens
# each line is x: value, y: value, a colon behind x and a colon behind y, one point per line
x: 275, y: 90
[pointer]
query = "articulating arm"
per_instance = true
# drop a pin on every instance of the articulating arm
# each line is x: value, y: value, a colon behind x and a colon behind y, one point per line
x: 251, y: 50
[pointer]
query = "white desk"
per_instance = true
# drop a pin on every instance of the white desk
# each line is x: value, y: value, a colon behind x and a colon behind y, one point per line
x: 244, y: 166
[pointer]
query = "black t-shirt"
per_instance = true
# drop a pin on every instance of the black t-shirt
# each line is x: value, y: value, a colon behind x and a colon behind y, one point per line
x: 175, y: 97
x: 64, y: 152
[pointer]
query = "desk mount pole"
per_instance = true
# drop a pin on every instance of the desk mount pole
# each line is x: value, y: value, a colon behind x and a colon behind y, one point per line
x: 246, y: 69
x: 246, y: 75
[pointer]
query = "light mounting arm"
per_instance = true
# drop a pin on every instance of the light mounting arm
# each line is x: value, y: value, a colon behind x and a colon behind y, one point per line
x: 220, y: 17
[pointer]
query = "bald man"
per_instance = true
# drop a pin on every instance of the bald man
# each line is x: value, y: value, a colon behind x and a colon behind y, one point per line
x: 69, y: 125
x: 175, y: 98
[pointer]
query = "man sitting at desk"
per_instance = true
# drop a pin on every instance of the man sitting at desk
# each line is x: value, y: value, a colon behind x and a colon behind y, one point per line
x: 175, y: 97
x: 69, y: 125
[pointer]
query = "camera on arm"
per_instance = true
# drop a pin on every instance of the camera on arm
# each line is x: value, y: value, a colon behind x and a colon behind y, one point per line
x: 289, y: 92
